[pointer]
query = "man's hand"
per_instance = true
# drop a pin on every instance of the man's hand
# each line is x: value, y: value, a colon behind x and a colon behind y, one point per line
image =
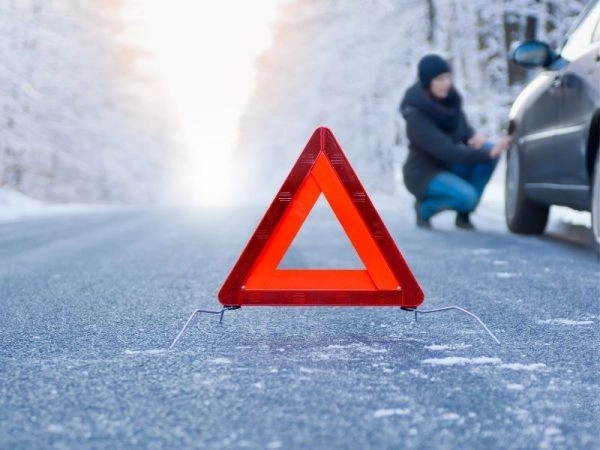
x: 501, y: 145
x: 476, y: 141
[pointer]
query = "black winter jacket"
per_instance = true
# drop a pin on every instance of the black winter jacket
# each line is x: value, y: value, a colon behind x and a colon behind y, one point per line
x: 437, y: 138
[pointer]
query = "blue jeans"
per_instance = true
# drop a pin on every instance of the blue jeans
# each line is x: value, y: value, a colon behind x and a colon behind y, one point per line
x: 457, y: 189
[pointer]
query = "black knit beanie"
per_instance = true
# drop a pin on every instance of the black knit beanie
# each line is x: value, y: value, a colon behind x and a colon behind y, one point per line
x: 430, y: 66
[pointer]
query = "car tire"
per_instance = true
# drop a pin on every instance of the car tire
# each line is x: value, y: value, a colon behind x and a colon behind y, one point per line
x: 522, y: 215
x: 595, y: 209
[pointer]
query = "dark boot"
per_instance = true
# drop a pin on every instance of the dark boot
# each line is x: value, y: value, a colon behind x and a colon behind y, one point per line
x: 463, y: 221
x: 421, y: 221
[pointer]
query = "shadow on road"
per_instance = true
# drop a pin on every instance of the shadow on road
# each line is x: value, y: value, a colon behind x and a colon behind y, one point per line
x: 570, y: 234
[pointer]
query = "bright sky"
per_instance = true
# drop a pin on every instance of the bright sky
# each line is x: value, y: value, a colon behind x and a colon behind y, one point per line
x: 204, y: 54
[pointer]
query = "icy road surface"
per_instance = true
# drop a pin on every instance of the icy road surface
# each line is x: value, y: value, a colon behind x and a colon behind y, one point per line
x: 90, y: 303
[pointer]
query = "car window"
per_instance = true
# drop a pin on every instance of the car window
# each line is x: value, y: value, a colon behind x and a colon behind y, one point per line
x: 583, y: 33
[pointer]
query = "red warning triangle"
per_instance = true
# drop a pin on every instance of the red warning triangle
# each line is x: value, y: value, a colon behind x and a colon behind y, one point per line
x: 321, y: 168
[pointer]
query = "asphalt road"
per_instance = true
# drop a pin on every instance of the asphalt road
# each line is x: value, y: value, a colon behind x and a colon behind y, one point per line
x: 91, y: 302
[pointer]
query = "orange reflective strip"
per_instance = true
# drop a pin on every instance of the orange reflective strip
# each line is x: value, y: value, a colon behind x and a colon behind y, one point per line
x: 353, y: 224
x: 287, y: 228
x: 322, y: 178
x: 311, y: 279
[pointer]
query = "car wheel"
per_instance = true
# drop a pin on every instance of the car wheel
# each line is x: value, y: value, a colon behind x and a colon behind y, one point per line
x: 596, y: 204
x: 522, y: 215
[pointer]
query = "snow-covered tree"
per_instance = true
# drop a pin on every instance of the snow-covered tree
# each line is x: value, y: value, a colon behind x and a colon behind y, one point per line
x: 346, y: 64
x: 83, y: 119
x: 80, y: 120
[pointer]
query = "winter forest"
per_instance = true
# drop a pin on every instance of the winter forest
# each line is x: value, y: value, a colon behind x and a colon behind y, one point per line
x: 80, y: 120
x: 83, y: 120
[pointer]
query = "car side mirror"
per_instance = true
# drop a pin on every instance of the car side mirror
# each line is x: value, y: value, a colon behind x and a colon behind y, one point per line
x: 533, y: 54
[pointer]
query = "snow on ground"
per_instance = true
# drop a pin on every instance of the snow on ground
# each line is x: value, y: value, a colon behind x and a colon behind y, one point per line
x: 17, y: 206
x: 483, y: 360
x: 567, y: 322
x: 380, y: 413
x: 461, y: 361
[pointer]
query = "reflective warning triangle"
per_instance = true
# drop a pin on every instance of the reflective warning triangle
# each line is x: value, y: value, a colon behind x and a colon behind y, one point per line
x: 386, y: 279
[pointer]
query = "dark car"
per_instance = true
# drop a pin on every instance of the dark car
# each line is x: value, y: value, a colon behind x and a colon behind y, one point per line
x: 555, y: 123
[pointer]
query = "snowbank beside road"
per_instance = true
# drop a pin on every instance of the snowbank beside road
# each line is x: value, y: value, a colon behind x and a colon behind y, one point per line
x: 17, y: 206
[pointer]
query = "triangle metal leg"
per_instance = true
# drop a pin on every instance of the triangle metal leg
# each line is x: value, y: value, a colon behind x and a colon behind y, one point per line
x: 202, y: 311
x: 447, y: 308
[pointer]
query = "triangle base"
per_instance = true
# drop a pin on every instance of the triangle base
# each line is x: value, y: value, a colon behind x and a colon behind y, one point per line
x: 262, y: 297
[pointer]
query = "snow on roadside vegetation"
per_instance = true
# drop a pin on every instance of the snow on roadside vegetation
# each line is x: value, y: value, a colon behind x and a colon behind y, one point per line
x: 84, y: 120
x: 346, y: 64
x: 81, y: 119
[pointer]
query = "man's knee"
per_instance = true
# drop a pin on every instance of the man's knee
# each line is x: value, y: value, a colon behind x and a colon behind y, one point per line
x: 467, y: 202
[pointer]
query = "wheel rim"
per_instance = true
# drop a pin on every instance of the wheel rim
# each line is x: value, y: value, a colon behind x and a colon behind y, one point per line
x: 512, y: 182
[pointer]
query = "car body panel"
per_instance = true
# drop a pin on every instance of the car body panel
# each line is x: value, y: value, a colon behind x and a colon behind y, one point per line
x: 551, y: 120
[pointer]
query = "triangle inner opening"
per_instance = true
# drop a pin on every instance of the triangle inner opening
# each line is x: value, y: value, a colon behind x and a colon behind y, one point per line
x: 321, y: 243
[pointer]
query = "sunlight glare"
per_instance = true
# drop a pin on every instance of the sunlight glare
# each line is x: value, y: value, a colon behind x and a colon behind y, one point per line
x: 204, y: 54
